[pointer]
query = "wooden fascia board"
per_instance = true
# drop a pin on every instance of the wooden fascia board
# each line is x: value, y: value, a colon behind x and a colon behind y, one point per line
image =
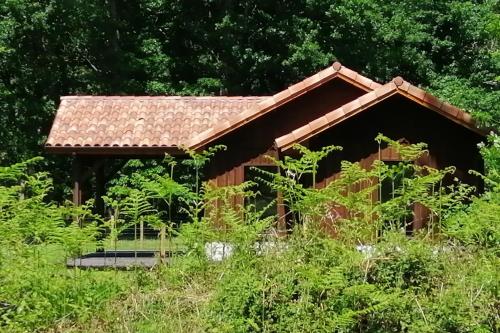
x: 278, y: 102
x: 114, y: 151
x: 289, y: 145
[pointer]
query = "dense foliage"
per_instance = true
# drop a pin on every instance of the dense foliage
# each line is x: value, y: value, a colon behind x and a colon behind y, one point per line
x: 51, y: 48
x: 443, y: 279
x: 369, y: 278
x: 36, y: 235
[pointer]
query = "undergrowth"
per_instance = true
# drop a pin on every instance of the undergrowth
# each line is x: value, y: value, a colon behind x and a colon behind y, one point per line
x: 369, y: 277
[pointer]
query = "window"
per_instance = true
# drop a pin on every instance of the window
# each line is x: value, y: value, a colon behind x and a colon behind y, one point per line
x: 265, y: 194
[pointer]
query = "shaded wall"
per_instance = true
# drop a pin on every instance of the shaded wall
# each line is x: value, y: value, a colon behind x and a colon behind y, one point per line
x: 250, y: 143
x: 449, y: 144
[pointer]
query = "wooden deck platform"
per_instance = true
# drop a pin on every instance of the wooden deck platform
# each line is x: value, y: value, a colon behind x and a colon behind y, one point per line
x: 122, y: 259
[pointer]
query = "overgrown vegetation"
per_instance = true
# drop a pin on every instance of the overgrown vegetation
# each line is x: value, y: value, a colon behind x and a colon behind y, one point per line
x: 35, y: 290
x: 369, y: 277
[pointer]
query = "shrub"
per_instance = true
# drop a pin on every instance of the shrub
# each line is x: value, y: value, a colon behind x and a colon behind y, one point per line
x: 37, y: 235
x: 405, y: 285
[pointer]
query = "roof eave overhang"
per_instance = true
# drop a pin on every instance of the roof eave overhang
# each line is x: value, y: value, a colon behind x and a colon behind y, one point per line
x: 355, y: 83
x: 467, y: 124
x: 287, y: 144
x: 115, y: 151
x: 397, y: 87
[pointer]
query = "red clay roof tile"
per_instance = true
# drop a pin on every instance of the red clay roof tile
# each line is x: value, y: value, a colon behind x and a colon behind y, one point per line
x: 350, y: 73
x: 466, y: 117
x: 367, y: 98
x: 335, y: 115
x: 301, y: 131
x: 349, y: 107
x: 416, y: 92
x: 122, y: 121
x: 433, y: 100
x: 125, y: 121
x: 449, y: 109
x: 318, y: 123
x: 297, y: 88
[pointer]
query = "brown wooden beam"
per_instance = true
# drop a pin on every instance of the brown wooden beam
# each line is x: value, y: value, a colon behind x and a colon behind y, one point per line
x: 110, y: 151
x: 282, y: 224
x: 90, y: 165
x: 77, y: 181
x: 100, y: 189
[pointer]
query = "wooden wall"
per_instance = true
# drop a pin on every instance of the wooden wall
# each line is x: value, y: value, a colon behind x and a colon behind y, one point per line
x: 397, y: 118
x: 248, y: 145
x: 449, y: 144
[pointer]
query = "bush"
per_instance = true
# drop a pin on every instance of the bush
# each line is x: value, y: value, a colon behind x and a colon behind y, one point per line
x: 478, y: 225
x: 39, y: 295
x: 404, y: 285
x: 36, y: 289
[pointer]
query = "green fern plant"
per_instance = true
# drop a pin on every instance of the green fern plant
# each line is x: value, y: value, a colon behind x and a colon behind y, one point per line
x: 305, y: 204
x: 136, y: 206
x: 166, y: 189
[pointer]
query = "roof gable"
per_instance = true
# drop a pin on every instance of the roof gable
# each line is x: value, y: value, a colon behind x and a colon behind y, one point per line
x: 336, y: 71
x: 396, y: 86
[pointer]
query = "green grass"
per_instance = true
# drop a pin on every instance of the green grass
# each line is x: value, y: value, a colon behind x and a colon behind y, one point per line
x: 152, y: 244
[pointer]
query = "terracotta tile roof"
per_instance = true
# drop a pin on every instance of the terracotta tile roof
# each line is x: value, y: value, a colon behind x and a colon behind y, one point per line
x: 126, y: 121
x: 396, y: 86
x: 272, y: 102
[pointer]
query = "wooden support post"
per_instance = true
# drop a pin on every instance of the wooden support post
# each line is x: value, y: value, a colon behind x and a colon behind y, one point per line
x: 77, y: 181
x: 100, y: 182
x: 420, y: 213
x: 282, y: 223
x: 99, y: 189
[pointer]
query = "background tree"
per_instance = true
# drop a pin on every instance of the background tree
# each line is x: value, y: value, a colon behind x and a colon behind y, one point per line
x: 51, y: 48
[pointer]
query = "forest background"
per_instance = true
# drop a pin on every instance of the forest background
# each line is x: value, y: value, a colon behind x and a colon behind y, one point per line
x: 53, y: 48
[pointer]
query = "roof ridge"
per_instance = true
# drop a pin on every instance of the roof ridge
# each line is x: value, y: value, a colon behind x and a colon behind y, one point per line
x: 284, y: 96
x: 355, y: 76
x: 331, y: 118
x: 396, y: 86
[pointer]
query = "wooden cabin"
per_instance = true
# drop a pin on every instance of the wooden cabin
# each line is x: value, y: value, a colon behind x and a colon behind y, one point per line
x: 334, y: 106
